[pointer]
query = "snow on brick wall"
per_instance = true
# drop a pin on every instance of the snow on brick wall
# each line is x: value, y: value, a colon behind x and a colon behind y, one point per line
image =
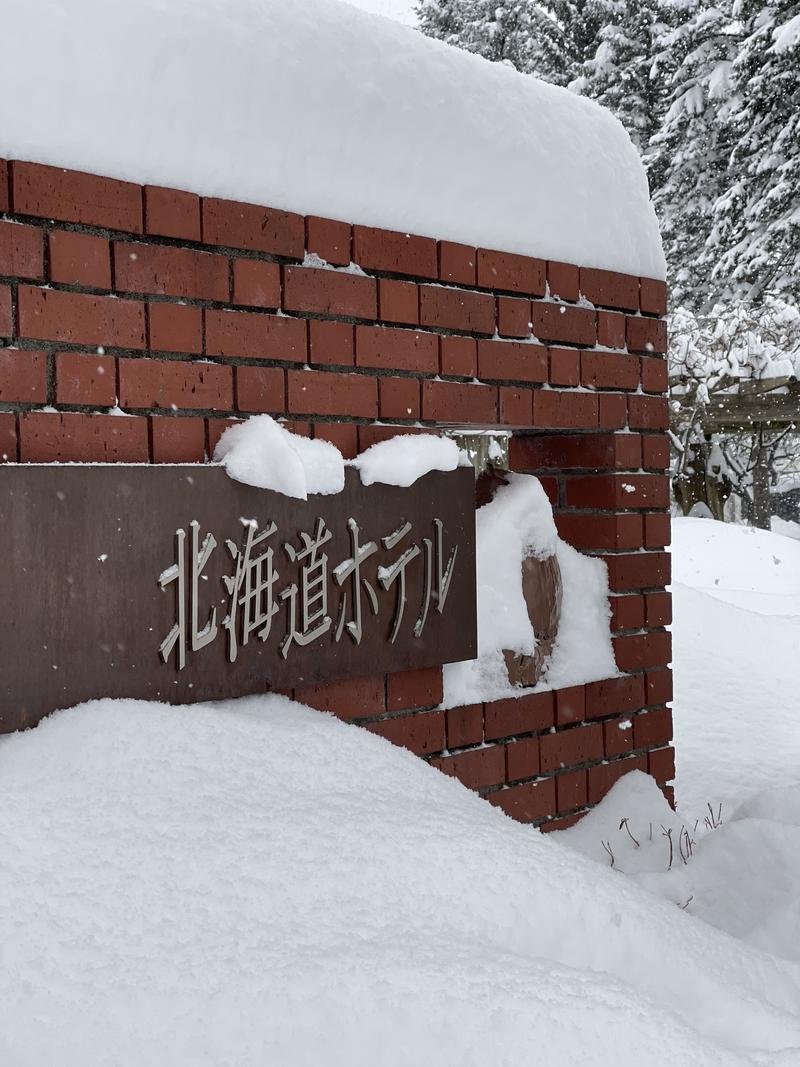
x: 137, y: 323
x: 317, y: 107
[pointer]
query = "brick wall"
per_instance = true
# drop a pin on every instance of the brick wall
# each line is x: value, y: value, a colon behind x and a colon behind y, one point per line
x: 186, y: 312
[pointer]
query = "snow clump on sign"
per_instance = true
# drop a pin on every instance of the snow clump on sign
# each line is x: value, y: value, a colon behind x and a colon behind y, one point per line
x: 376, y: 125
x: 403, y: 459
x: 263, y: 453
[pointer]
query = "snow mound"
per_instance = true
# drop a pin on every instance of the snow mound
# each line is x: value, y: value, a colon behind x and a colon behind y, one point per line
x: 254, y: 882
x: 403, y: 459
x: 323, y: 109
x: 516, y: 523
x: 736, y: 635
x: 263, y: 453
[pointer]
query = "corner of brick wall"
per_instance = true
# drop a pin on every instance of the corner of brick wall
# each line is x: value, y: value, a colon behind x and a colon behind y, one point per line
x: 137, y: 322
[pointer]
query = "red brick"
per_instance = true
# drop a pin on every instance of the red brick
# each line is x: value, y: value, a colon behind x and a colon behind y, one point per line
x: 46, y: 437
x: 657, y: 530
x: 565, y: 366
x: 456, y: 309
x: 459, y: 402
x: 654, y: 375
x: 464, y: 726
x: 610, y: 329
x: 388, y: 348
x: 562, y: 279
x: 398, y: 301
x: 570, y: 705
x: 652, y: 728
x: 669, y: 794
x: 515, y: 405
x: 175, y: 328
x: 399, y: 253
x: 648, y: 412
x: 77, y: 318
x: 256, y: 283
x: 252, y: 336
x: 399, y: 398
x: 658, y: 609
x: 329, y: 239
x: 332, y: 343
x: 505, y: 270
x: 652, y: 296
x: 71, y: 196
x: 528, y: 802
x: 604, y: 370
x: 421, y: 733
x: 617, y: 491
x: 260, y: 389
x: 571, y: 790
x: 513, y: 317
x: 655, y: 451
x: 614, y: 696
x: 562, y: 323
x: 258, y: 229
x: 215, y: 428
x: 658, y: 688
x: 329, y: 292
x: 610, y: 289
x: 636, y: 651
x: 371, y: 435
x: 321, y: 393
x: 554, y: 409
x: 169, y: 271
x: 171, y: 213
x: 178, y: 440
x: 158, y: 383
x: 414, y: 689
x: 511, y: 361
x: 618, y: 736
x: 522, y: 758
x: 627, y: 612
x: 344, y: 435
x: 477, y: 769
x: 21, y: 251
x: 604, y: 775
x: 640, y: 570
x: 600, y: 531
x: 564, y: 823
x: 550, y: 486
x: 355, y: 698
x: 518, y: 715
x: 457, y: 263
x: 23, y: 376
x: 568, y: 748
x: 646, y: 335
x: 86, y: 378
x: 560, y: 451
x: 661, y: 764
x: 459, y: 356
x: 4, y: 198
x: 612, y: 411
x: 6, y: 318
x: 8, y: 421
x: 80, y: 259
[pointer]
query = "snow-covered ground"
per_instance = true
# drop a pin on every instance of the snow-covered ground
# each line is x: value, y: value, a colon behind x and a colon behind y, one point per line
x: 254, y: 882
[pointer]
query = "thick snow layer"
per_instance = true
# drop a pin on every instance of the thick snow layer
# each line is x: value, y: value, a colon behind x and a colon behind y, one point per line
x: 740, y: 876
x: 736, y: 636
x: 516, y: 523
x: 263, y: 453
x: 258, y: 883
x: 403, y: 459
x: 319, y: 108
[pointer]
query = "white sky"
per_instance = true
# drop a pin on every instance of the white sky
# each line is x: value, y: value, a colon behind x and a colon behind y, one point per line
x: 399, y: 10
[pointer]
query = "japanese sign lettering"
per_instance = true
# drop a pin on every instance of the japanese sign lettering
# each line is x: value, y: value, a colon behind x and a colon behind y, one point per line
x: 179, y: 584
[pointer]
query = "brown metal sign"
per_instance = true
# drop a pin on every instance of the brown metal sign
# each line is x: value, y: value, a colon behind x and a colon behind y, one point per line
x: 176, y: 583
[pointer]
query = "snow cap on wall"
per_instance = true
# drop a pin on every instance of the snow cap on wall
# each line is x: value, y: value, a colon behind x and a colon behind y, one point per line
x: 319, y: 108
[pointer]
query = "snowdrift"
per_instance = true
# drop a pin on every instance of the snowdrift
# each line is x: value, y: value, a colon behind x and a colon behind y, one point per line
x: 322, y: 109
x: 257, y: 883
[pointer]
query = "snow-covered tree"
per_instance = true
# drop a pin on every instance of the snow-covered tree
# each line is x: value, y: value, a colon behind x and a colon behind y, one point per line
x: 754, y: 246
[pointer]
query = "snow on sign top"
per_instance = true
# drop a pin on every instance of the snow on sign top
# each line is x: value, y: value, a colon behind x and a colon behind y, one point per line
x: 320, y: 108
